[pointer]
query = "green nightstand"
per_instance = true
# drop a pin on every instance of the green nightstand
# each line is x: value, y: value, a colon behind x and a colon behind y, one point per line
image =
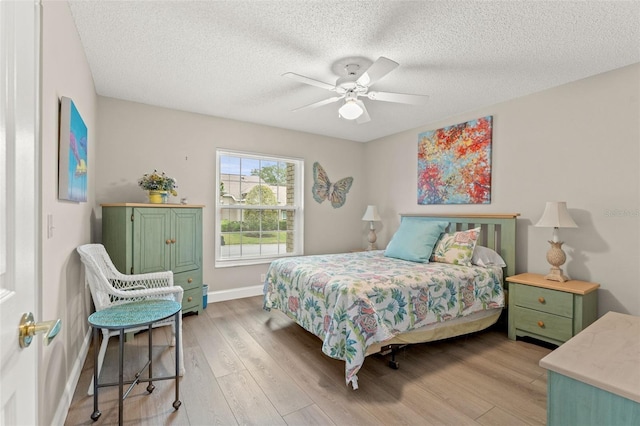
x: 550, y: 311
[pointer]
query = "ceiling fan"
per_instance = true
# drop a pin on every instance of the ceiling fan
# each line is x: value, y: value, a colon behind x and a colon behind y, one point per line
x: 354, y: 85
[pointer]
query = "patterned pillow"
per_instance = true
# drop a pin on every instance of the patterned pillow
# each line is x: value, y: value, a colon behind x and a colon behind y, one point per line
x: 456, y: 248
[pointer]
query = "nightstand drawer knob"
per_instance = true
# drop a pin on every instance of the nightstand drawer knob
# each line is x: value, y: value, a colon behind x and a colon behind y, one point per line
x: 190, y: 280
x: 541, y: 324
x: 541, y: 299
x: 189, y: 299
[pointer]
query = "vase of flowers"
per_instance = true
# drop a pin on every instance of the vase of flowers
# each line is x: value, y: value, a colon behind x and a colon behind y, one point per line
x: 159, y: 186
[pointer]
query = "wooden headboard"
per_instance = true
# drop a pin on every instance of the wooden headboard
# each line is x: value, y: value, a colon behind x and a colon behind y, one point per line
x: 498, y: 231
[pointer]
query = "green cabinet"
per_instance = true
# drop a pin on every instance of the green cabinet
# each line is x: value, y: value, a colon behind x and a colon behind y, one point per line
x: 144, y: 238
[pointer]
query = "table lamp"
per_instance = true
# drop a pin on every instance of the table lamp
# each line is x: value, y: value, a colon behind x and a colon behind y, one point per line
x: 556, y: 216
x: 371, y: 215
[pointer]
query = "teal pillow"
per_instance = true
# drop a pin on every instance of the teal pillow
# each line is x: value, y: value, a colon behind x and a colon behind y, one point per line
x: 415, y: 238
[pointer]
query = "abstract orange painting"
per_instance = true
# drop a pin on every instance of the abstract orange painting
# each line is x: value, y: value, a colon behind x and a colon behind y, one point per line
x: 454, y: 164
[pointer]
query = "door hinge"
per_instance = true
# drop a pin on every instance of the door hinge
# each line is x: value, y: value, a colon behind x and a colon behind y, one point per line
x: 132, y: 270
x: 131, y: 217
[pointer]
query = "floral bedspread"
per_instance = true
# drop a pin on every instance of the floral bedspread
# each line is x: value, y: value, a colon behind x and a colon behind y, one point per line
x: 353, y: 300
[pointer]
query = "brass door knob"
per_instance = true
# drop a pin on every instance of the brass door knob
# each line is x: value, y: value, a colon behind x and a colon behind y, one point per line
x: 173, y: 241
x: 29, y: 328
x: 541, y: 299
x: 541, y: 324
x: 168, y: 241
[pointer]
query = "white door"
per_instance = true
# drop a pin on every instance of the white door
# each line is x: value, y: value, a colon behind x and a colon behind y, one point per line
x: 19, y: 140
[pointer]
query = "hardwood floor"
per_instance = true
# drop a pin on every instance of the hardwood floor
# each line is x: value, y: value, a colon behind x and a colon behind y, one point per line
x: 248, y: 366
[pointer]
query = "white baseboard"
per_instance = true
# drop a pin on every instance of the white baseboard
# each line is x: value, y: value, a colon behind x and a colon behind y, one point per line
x: 72, y: 382
x: 236, y: 293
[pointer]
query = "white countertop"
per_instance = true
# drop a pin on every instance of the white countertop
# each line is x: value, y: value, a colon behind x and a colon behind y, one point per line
x: 605, y: 355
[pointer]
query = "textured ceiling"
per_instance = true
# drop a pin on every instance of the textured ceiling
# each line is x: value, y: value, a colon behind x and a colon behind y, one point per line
x: 226, y: 58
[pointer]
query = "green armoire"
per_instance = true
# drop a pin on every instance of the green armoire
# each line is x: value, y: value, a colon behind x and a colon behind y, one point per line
x: 143, y: 238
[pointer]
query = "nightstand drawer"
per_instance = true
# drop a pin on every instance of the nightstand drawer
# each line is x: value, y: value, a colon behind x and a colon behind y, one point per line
x: 544, y: 324
x: 545, y: 300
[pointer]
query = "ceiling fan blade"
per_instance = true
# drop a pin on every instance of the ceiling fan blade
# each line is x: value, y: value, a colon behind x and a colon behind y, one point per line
x: 364, y: 118
x: 401, y: 98
x: 376, y: 71
x: 319, y: 103
x: 307, y: 80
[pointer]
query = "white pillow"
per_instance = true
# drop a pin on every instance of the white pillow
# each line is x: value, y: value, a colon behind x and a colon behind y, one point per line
x: 484, y: 256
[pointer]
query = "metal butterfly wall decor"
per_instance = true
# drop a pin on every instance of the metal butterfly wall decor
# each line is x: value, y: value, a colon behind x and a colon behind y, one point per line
x: 323, y: 189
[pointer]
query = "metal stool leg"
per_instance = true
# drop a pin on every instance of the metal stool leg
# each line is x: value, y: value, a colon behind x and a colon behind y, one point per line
x: 177, y: 403
x: 120, y: 376
x: 150, y: 386
x: 96, y: 413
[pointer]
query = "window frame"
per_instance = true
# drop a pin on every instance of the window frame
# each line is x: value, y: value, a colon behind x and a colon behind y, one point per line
x: 297, y: 208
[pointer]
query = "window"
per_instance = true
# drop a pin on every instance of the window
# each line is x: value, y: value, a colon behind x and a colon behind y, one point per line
x: 259, y: 216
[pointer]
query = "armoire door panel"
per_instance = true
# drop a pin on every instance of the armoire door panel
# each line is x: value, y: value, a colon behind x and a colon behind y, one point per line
x: 151, y: 240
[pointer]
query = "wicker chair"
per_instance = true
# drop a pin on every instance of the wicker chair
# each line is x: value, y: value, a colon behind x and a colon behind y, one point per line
x: 109, y: 287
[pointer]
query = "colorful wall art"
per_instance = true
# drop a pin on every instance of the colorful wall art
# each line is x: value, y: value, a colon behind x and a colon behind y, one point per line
x: 454, y: 164
x: 72, y: 162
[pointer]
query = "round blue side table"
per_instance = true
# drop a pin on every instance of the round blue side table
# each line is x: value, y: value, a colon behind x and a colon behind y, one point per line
x: 128, y: 316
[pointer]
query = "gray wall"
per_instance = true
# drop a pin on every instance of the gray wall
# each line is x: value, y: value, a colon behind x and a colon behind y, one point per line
x: 578, y: 143
x: 65, y: 72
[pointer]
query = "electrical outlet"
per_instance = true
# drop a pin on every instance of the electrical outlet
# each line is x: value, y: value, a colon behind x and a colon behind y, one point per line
x: 263, y: 277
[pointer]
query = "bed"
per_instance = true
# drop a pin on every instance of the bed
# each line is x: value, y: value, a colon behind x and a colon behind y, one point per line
x: 361, y: 303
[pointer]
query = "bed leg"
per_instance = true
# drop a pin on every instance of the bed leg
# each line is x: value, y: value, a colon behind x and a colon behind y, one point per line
x: 392, y: 362
x: 392, y: 350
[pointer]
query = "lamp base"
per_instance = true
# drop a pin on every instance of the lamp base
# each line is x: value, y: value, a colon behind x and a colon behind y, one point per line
x: 555, y: 274
x: 372, y: 239
x: 556, y: 258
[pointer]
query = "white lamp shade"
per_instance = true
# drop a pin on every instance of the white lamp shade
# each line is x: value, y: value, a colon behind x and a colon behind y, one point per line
x: 350, y: 110
x: 371, y: 214
x: 556, y: 215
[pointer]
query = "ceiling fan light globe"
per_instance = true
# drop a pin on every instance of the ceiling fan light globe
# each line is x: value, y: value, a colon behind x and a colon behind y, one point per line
x: 350, y: 110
